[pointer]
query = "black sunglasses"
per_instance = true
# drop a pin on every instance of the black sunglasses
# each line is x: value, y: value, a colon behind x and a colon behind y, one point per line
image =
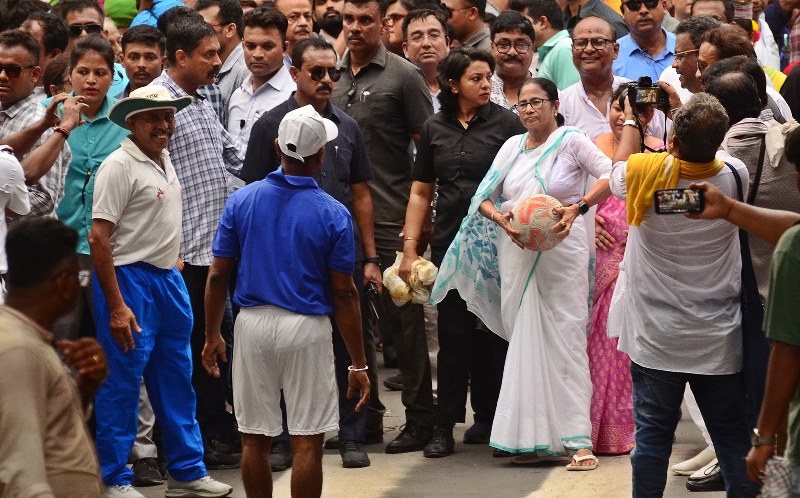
x: 12, y: 70
x: 637, y: 4
x: 75, y: 30
x: 317, y: 73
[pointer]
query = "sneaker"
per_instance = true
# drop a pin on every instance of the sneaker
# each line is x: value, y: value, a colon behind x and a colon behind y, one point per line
x: 220, y: 456
x: 353, y: 455
x: 205, y: 487
x: 394, y: 383
x: 280, y: 456
x: 479, y: 433
x: 146, y: 472
x: 122, y: 491
x: 441, y: 444
x: 413, y: 437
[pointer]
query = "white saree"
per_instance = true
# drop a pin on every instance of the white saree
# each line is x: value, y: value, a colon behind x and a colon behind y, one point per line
x: 536, y: 300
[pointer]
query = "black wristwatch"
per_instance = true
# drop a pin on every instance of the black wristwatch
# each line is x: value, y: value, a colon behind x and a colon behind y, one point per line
x: 374, y: 259
x: 583, y: 208
x: 757, y: 439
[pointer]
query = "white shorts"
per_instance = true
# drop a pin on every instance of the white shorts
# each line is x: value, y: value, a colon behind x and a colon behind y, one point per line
x: 276, y: 349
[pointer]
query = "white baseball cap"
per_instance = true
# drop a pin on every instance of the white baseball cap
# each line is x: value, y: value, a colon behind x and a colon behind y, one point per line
x: 303, y: 132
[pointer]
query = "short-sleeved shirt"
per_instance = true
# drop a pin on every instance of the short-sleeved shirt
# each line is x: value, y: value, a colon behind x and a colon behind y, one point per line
x: 633, y: 62
x: 598, y: 8
x: 458, y: 159
x: 555, y: 61
x: 390, y: 101
x: 781, y: 322
x: 345, y: 163
x: 91, y: 143
x: 144, y: 202
x: 287, y: 233
x: 13, y: 196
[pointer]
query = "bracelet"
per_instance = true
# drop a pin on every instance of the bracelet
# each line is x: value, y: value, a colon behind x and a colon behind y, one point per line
x: 630, y: 122
x: 410, y: 238
x: 492, y: 217
x: 63, y: 131
x: 374, y: 260
x: 351, y: 368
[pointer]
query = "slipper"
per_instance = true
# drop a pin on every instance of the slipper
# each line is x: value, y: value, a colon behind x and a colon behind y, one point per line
x: 534, y: 459
x: 575, y: 464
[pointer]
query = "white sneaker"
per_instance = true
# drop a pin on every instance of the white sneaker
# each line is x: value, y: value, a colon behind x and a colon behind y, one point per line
x: 709, y: 470
x: 689, y: 467
x: 205, y: 487
x: 122, y: 491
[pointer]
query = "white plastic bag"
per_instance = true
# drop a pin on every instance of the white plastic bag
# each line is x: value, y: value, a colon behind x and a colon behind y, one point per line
x: 423, y: 274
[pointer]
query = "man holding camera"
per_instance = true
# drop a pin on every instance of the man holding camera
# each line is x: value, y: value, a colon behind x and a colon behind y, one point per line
x: 677, y: 306
x: 344, y: 175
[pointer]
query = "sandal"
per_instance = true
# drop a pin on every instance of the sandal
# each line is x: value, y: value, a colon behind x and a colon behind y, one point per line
x: 534, y: 459
x: 576, y: 460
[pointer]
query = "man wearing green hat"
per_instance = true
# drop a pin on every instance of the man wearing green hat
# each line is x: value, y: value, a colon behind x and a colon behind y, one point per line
x: 142, y: 309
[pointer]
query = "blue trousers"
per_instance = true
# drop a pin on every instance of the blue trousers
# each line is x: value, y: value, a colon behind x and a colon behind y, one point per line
x: 162, y: 356
x: 657, y: 397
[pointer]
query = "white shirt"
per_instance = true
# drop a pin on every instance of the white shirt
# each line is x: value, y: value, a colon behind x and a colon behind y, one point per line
x: 13, y: 196
x: 580, y: 112
x: 677, y: 308
x: 779, y: 101
x: 246, y: 105
x: 671, y: 76
x: 144, y: 202
x: 766, y: 48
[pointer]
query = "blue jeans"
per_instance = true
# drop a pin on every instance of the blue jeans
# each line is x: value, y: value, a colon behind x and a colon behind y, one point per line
x: 657, y: 397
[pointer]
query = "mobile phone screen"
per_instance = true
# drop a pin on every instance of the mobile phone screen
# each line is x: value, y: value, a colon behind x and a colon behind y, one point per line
x: 678, y: 200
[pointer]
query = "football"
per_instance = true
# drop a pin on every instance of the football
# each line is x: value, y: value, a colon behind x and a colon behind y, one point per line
x: 534, y: 217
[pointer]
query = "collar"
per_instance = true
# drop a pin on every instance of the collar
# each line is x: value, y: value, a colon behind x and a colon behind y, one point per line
x: 379, y: 58
x: 174, y: 88
x: 20, y: 106
x: 477, y: 38
x: 583, y: 9
x: 633, y: 47
x: 136, y: 153
x: 615, y: 83
x: 236, y: 55
x: 44, y: 335
x: 331, y: 112
x: 551, y: 43
x: 278, y: 81
x: 300, y: 182
x: 482, y: 115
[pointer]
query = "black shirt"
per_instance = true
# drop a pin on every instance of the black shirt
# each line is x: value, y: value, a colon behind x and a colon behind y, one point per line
x: 458, y: 159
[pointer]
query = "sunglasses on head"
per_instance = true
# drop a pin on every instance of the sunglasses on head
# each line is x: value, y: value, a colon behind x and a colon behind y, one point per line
x: 13, y: 71
x: 318, y: 73
x: 75, y: 30
x: 637, y: 4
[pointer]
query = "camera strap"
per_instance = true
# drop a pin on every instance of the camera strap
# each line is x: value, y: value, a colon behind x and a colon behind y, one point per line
x: 751, y: 196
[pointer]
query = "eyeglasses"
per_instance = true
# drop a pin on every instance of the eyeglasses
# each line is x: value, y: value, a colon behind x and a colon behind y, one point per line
x: 75, y: 30
x: 318, y: 73
x: 682, y: 55
x: 521, y: 46
x: 597, y: 43
x: 637, y: 4
x: 391, y: 19
x: 13, y: 71
x: 702, y: 66
x: 434, y: 37
x: 535, y: 103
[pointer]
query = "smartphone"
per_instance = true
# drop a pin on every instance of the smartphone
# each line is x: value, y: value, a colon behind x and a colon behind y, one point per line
x: 678, y: 200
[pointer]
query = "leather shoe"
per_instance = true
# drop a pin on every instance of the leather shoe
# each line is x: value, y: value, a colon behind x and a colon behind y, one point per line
x: 711, y: 482
x: 146, y: 473
x: 441, y: 444
x: 220, y: 456
x: 413, y: 437
x: 394, y: 383
x: 280, y: 456
x: 332, y: 443
x: 479, y: 433
x: 353, y: 455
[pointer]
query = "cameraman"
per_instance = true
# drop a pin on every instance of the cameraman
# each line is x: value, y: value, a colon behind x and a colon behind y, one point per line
x: 678, y: 313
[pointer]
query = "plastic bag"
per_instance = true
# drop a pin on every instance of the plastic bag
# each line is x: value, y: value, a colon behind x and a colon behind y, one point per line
x: 423, y: 274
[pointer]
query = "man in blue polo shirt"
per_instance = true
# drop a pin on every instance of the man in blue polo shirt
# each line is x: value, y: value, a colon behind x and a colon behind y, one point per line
x: 648, y: 49
x: 294, y: 247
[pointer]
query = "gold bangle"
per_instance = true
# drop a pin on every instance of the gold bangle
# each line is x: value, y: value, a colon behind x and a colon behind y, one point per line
x: 410, y: 238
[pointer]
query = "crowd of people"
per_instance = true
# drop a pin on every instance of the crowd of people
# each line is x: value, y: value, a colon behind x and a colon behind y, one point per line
x: 201, y: 197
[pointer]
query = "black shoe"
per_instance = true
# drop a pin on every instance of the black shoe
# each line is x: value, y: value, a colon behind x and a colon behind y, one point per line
x: 479, y: 433
x: 441, y: 444
x: 353, y: 455
x: 394, y: 383
x: 711, y: 482
x: 146, y: 473
x: 224, y: 445
x: 496, y: 453
x: 280, y: 456
x: 413, y: 437
x: 373, y: 434
x: 332, y: 443
x: 219, y: 455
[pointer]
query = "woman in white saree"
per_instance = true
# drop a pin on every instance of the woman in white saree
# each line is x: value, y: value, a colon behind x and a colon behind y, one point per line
x: 536, y: 300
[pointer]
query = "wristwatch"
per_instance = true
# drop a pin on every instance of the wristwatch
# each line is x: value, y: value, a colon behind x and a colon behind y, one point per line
x: 375, y: 259
x: 630, y: 122
x: 757, y: 439
x: 583, y: 208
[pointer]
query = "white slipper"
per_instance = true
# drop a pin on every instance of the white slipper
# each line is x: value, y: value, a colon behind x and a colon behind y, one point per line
x: 576, y: 460
x: 708, y: 470
x: 689, y: 467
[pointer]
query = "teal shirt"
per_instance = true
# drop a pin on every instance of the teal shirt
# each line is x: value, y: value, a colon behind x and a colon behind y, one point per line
x: 555, y: 61
x: 91, y: 143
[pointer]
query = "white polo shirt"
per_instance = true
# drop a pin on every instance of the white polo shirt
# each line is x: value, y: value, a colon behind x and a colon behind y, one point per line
x: 145, y: 203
